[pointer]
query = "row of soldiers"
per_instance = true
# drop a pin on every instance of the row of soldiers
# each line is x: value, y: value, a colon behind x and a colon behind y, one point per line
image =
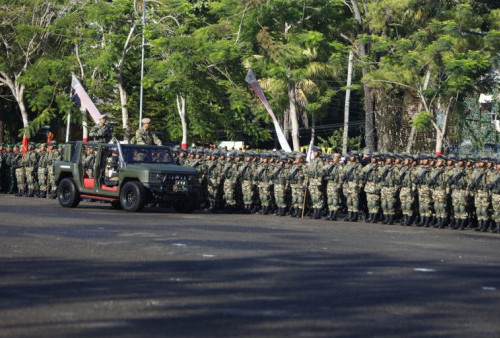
x: 424, y: 190
x: 31, y: 174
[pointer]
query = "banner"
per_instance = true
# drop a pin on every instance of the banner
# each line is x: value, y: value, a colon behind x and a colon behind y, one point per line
x: 252, y: 81
x: 25, y: 144
x: 50, y: 137
x: 85, y: 99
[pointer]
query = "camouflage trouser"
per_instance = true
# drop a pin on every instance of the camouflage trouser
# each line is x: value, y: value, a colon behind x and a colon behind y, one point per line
x: 332, y: 195
x: 495, y: 202
x: 247, y: 189
x: 351, y: 191
x: 388, y: 200
x: 316, y: 193
x: 372, y: 197
x: 30, y: 177
x: 459, y: 201
x: 230, y: 191
x: 280, y: 194
x: 52, y: 179
x: 424, y: 201
x: 297, y: 195
x: 42, y: 178
x: 21, y: 179
x: 407, y: 200
x: 214, y: 193
x: 481, y: 204
x: 439, y: 198
x: 265, y: 193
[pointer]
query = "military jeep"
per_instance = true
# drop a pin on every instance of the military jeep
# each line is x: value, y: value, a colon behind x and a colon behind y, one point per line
x: 127, y: 175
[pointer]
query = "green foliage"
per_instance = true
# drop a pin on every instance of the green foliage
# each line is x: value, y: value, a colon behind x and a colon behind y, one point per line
x: 335, y: 140
x: 422, y: 120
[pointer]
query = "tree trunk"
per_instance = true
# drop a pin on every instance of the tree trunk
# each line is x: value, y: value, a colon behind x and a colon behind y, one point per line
x: 181, y: 108
x: 413, y: 130
x: 123, y: 104
x: 293, y: 116
x: 347, y: 103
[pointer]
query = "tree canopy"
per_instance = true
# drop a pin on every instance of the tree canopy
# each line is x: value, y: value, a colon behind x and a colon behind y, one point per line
x: 419, y: 66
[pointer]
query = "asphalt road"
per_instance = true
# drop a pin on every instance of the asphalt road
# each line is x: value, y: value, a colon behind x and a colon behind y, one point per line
x: 95, y: 271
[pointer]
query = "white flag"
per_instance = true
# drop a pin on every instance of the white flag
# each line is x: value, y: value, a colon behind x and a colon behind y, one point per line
x: 252, y: 81
x: 85, y: 99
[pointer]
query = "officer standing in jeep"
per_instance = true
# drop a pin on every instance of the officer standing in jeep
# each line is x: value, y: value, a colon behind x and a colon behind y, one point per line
x: 145, y: 136
x: 101, y: 132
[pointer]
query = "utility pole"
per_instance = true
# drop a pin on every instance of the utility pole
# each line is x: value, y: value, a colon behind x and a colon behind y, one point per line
x: 347, y: 102
x: 141, y: 95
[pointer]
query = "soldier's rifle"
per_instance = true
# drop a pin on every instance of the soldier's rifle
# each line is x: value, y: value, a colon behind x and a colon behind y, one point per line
x: 364, y: 178
x: 420, y: 178
x: 456, y: 177
x: 473, y: 185
x: 348, y: 174
x: 433, y: 181
x: 384, y: 174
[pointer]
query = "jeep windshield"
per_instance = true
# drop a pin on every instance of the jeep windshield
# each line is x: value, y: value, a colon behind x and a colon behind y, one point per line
x: 146, y: 154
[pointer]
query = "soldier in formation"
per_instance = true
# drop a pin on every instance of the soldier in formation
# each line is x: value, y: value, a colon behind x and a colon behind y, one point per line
x: 424, y: 190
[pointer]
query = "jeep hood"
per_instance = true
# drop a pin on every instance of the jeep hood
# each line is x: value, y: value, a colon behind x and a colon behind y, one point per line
x: 162, y: 167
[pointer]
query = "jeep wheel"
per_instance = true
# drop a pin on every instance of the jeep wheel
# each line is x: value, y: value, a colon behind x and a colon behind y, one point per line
x: 67, y: 193
x: 132, y: 196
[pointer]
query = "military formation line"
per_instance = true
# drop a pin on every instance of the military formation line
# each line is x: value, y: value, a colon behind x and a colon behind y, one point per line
x: 423, y: 190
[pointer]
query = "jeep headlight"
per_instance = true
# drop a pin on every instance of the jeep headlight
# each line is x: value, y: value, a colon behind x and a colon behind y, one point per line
x: 156, y: 177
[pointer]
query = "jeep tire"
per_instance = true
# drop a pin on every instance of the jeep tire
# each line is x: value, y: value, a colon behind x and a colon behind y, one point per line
x: 67, y: 193
x: 132, y: 196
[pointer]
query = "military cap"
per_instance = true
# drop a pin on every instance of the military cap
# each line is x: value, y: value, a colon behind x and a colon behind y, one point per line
x: 353, y: 153
x: 60, y: 144
x: 146, y: 120
x: 367, y: 151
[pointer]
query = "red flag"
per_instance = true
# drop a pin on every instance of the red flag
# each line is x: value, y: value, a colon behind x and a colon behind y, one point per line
x: 25, y: 143
x: 50, y: 137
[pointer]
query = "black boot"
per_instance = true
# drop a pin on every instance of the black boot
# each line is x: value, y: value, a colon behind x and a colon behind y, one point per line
x: 316, y: 213
x: 402, y: 222
x: 327, y: 217
x: 369, y: 218
x: 390, y: 220
x: 354, y: 217
x: 496, y: 229
x: 480, y: 225
x: 265, y: 210
x: 348, y: 217
x: 299, y: 213
x: 409, y: 220
x: 485, y: 227
x: 461, y: 224
x: 374, y: 218
x: 334, y: 216
x: 386, y: 218
x: 293, y: 212
x: 427, y: 221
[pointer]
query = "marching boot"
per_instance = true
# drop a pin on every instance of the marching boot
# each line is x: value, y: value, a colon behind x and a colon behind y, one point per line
x: 453, y: 223
x: 485, y: 227
x: 480, y: 225
x: 282, y: 212
x: 427, y: 221
x: 348, y: 217
x: 420, y: 221
x: 328, y: 216
x: 374, y: 218
x: 390, y: 220
x: 409, y: 220
x: 386, y: 219
x: 265, y: 210
x: 496, y: 230
x: 354, y: 217
x: 369, y: 218
x: 316, y: 213
x: 402, y: 221
x: 299, y: 213
x: 461, y: 224
x: 334, y: 216
x: 30, y: 193
x: 293, y: 212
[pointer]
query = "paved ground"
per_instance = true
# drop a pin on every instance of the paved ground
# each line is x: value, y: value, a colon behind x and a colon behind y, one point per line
x: 95, y: 271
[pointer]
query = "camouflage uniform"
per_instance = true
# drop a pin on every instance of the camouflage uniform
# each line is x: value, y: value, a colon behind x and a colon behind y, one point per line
x: 101, y: 133
x: 143, y: 136
x: 214, y: 169
x: 333, y: 186
x: 388, y: 192
x: 264, y: 184
x: 42, y: 173
x: 17, y: 165
x: 351, y: 186
x: 29, y: 164
x: 229, y: 175
x: 368, y: 175
x: 407, y: 193
x: 478, y: 188
x: 459, y: 193
x: 437, y: 184
x: 246, y: 173
x: 296, y: 178
x: 424, y: 195
x: 314, y: 174
x: 52, y: 157
x: 279, y: 178
x: 495, y: 199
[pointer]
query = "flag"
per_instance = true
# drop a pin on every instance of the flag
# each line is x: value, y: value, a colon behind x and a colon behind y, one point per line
x: 310, y: 156
x: 252, y: 81
x: 85, y: 99
x: 25, y: 144
x: 50, y: 137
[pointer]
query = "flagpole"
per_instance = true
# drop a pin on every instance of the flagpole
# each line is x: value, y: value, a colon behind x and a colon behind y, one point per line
x: 142, y: 62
